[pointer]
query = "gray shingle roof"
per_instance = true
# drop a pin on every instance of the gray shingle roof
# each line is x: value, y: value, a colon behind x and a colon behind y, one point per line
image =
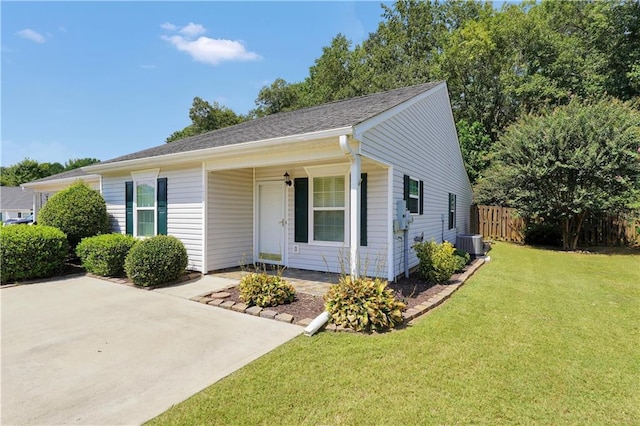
x: 14, y: 198
x: 64, y: 175
x: 348, y: 112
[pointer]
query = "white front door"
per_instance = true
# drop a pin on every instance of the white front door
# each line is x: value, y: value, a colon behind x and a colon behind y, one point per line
x: 271, y: 223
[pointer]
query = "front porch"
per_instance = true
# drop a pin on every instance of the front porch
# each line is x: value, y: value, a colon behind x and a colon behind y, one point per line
x: 329, y: 213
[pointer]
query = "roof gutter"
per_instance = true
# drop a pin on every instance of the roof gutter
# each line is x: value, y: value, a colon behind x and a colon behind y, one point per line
x: 63, y: 181
x: 199, y: 154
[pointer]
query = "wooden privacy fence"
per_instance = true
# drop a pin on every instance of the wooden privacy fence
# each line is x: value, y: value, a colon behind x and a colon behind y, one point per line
x: 502, y: 223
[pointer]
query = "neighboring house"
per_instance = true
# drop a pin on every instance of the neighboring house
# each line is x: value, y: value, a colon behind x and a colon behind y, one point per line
x: 15, y: 202
x: 315, y: 188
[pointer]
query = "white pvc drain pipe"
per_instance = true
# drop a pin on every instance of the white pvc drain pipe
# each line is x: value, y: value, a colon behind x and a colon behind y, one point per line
x: 316, y: 324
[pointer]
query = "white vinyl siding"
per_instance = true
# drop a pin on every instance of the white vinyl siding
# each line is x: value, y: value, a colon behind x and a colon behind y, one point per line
x: 184, y: 207
x: 334, y: 259
x: 420, y: 141
x: 230, y: 221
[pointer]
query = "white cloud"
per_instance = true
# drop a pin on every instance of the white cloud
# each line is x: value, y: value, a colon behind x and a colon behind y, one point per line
x: 192, y: 30
x: 212, y: 51
x: 168, y: 26
x: 62, y: 29
x: 29, y: 34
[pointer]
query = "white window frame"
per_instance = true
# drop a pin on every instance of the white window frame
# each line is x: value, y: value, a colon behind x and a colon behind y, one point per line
x: 144, y: 176
x: 414, y: 197
x: 341, y: 170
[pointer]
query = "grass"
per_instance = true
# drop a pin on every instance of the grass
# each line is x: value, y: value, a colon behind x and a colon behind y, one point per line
x: 536, y: 336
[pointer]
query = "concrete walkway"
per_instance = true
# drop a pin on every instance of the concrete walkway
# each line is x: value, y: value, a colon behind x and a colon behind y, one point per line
x: 86, y: 351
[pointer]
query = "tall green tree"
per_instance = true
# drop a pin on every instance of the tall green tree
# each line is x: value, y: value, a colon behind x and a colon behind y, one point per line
x: 28, y: 170
x: 206, y: 117
x: 280, y: 96
x: 578, y: 159
x: 475, y: 145
x: 331, y: 76
x: 76, y: 163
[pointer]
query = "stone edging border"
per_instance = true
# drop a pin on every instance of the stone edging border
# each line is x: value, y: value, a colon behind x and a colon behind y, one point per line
x: 453, y: 285
x: 186, y: 277
x: 216, y: 299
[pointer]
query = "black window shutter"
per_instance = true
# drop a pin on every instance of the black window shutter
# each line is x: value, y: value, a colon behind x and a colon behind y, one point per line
x: 128, y: 195
x: 363, y: 209
x: 162, y: 206
x: 301, y: 210
x: 452, y: 211
x: 421, y: 207
x: 406, y: 189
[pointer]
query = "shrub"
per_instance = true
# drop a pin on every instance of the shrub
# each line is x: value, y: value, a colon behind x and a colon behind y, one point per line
x: 462, y: 258
x: 105, y: 254
x: 264, y: 290
x: 156, y: 260
x: 437, y: 261
x: 363, y: 304
x: 78, y: 211
x: 28, y: 252
x: 544, y: 233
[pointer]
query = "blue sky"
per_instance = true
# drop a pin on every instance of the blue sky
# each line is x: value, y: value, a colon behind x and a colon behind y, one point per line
x: 103, y: 79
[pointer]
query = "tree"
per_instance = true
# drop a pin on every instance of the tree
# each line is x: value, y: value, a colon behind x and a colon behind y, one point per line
x: 331, y: 76
x: 280, y: 96
x: 206, y: 117
x: 475, y: 145
x: 28, y: 170
x: 76, y: 163
x: 578, y: 159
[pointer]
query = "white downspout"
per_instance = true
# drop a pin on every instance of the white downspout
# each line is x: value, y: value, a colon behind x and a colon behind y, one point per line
x: 354, y: 206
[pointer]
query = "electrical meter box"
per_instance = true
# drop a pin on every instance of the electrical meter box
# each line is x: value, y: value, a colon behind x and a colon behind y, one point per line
x: 403, y: 217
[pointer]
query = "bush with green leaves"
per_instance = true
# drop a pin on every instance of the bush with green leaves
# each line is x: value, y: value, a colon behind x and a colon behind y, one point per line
x: 437, y: 261
x: 262, y: 289
x: 78, y: 211
x: 543, y: 233
x: 104, y: 255
x: 462, y: 258
x: 156, y: 260
x: 363, y: 304
x: 28, y: 252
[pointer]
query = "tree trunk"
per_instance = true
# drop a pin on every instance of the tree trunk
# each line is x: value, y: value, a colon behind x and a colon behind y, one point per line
x: 566, y: 237
x: 574, y: 241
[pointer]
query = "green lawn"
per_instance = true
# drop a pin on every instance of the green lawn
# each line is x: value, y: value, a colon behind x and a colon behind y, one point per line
x: 535, y: 336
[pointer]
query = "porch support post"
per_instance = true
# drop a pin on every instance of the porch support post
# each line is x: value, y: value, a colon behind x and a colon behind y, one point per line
x: 354, y: 207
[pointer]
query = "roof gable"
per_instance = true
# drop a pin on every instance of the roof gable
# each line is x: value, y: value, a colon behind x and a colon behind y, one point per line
x: 334, y: 115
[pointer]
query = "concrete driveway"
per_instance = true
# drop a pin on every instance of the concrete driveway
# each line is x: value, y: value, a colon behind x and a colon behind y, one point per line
x: 87, y: 351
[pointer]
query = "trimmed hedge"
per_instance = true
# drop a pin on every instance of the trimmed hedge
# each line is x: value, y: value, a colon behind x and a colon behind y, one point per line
x: 78, y: 211
x: 28, y: 252
x: 104, y: 255
x: 156, y: 260
x: 363, y: 304
x: 265, y: 290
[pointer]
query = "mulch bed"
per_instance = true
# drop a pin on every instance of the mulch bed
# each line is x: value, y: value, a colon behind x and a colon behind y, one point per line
x: 412, y: 291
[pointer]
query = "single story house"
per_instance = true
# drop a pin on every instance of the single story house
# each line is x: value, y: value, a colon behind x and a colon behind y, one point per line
x: 316, y: 188
x: 15, y: 202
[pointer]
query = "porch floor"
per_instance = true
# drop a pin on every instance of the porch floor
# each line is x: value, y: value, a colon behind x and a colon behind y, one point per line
x: 310, y: 282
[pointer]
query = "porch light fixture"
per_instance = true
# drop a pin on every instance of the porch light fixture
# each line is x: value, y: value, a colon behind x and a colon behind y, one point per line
x: 287, y: 179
